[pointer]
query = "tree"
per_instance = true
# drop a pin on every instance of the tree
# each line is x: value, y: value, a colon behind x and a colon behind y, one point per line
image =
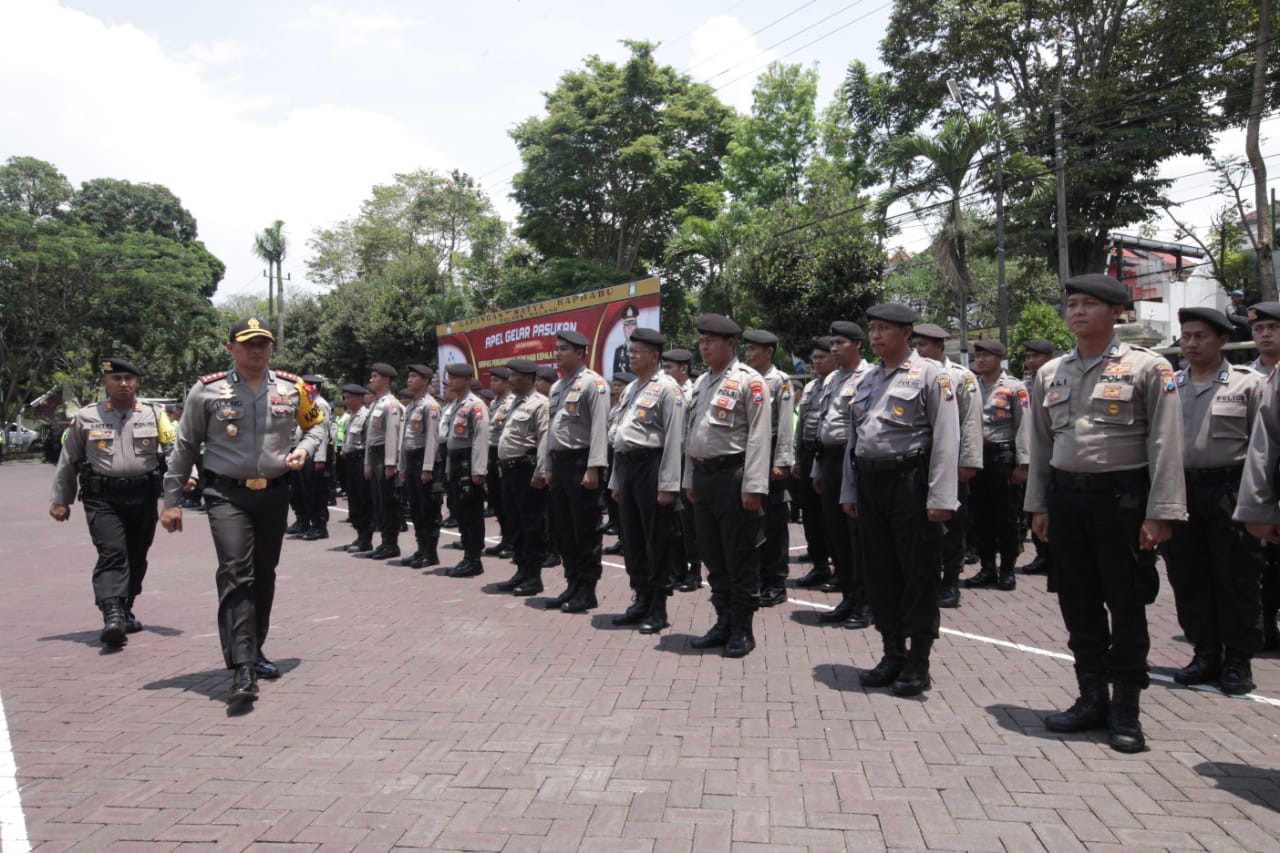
x: 33, y: 186
x: 271, y: 246
x: 1259, y: 97
x: 113, y: 206
x: 1038, y: 321
x: 771, y: 148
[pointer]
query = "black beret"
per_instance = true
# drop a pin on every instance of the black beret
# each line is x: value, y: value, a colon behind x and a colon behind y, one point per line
x: 1212, y: 316
x: 932, y: 331
x: 404, y: 394
x: 678, y: 355
x: 250, y: 327
x: 570, y: 336
x: 422, y: 370
x: 1099, y: 286
x: 717, y: 324
x: 823, y: 343
x: 353, y: 388
x: 523, y: 366
x: 1039, y: 345
x: 760, y: 336
x: 624, y: 376
x: 650, y: 337
x: 118, y: 365
x: 845, y: 329
x: 1264, y: 311
x: 476, y: 386
x: 891, y: 312
x: 460, y: 369
x: 500, y: 373
x: 547, y: 373
x: 487, y: 394
x: 991, y: 345
x: 313, y: 378
x: 384, y: 369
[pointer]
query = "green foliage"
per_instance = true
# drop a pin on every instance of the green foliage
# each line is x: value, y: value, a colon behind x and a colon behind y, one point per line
x: 33, y: 186
x: 1038, y: 321
x: 770, y: 148
x: 112, y: 206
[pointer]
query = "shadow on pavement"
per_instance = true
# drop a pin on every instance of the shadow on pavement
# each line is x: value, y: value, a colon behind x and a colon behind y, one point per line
x: 679, y: 644
x: 1257, y: 785
x: 90, y: 638
x: 1030, y: 722
x: 837, y: 676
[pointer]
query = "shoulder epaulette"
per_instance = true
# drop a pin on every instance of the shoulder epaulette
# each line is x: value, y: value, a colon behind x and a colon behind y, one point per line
x: 286, y: 375
x: 213, y: 377
x: 1244, y: 368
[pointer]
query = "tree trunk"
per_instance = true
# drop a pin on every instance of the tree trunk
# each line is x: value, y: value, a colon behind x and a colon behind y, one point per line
x: 1262, y: 205
x: 280, y: 302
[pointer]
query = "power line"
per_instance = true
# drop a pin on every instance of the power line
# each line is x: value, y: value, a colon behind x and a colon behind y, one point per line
x: 751, y: 36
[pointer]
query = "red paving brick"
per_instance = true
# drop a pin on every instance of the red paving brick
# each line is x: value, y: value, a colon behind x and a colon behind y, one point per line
x: 420, y: 712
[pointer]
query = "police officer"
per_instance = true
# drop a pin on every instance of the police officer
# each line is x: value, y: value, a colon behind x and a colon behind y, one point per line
x: 359, y: 496
x: 500, y: 384
x: 995, y: 494
x: 617, y: 385
x: 775, y: 555
x: 930, y: 342
x: 523, y: 500
x: 1105, y: 480
x: 1214, y: 566
x: 571, y: 460
x: 904, y: 448
x: 1036, y: 354
x: 727, y: 479
x: 542, y: 382
x: 381, y: 452
x: 316, y: 472
x: 245, y: 417
x: 417, y: 465
x: 468, y: 466
x: 647, y: 452
x: 116, y: 447
x: 1264, y: 325
x: 676, y: 363
x: 808, y: 448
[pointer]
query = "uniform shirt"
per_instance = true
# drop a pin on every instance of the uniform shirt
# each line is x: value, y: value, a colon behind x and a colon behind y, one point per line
x: 330, y: 431
x: 245, y: 435
x: 498, y: 417
x: 615, y: 412
x: 903, y: 411
x: 446, y: 421
x: 969, y: 408
x: 810, y: 412
x: 421, y: 432
x: 1004, y: 405
x: 729, y: 413
x: 382, y: 429
x: 353, y: 440
x: 1259, y: 367
x: 1117, y: 412
x: 837, y: 393
x: 469, y: 430
x: 115, y: 441
x: 578, y: 412
x: 525, y: 428
x: 1259, y: 499
x: 651, y: 416
x: 783, y: 423
x: 1217, y: 416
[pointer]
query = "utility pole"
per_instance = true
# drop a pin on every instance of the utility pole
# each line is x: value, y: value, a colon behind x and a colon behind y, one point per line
x: 1002, y: 287
x: 270, y: 291
x: 280, y: 280
x: 1060, y: 164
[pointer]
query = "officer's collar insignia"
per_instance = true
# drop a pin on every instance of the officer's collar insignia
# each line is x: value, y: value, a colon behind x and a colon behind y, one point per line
x: 1182, y: 378
x: 1224, y: 376
x: 1114, y: 351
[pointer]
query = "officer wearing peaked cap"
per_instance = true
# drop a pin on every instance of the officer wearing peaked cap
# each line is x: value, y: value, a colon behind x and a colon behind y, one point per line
x: 775, y: 554
x: 116, y: 448
x: 382, y: 453
x: 1105, y: 480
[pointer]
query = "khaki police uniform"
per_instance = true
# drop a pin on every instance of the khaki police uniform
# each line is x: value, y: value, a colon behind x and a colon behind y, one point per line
x: 969, y: 410
x: 359, y: 490
x: 775, y: 555
x: 418, y: 454
x: 498, y: 411
x: 382, y: 448
x: 1271, y: 562
x: 807, y: 449
x: 468, y: 446
x: 830, y: 468
x: 526, y: 507
x: 995, y: 500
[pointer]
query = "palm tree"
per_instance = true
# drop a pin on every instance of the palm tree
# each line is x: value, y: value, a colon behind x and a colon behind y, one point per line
x: 271, y: 246
x: 714, y: 241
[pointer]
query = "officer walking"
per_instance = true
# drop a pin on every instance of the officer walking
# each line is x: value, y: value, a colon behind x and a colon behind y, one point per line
x: 1105, y: 480
x: 808, y: 448
x: 1036, y: 354
x: 523, y: 500
x: 417, y: 465
x: 904, y: 446
x: 116, y: 448
x: 727, y: 479
x: 1264, y: 325
x: 775, y: 554
x: 381, y: 452
x: 359, y: 496
x: 1214, y: 566
x: 571, y: 460
x: 647, y: 453
x: 676, y: 363
x: 245, y: 417
x: 468, y: 449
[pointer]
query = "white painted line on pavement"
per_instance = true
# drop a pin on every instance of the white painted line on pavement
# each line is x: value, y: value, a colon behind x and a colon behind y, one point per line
x: 13, y: 823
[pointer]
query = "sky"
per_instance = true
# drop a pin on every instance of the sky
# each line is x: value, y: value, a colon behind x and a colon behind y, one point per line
x: 256, y: 111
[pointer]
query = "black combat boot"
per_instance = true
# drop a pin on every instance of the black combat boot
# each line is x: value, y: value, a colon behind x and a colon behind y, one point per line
x: 583, y: 600
x: 510, y: 584
x: 890, y: 667
x: 468, y: 568
x: 1006, y: 581
x: 1204, y: 667
x: 741, y: 640
x: 986, y: 576
x: 1123, y: 720
x: 838, y: 614
x: 113, y: 623
x: 691, y: 581
x: 364, y: 542
x: 656, y: 619
x: 532, y: 583
x: 1089, y: 711
x: 717, y: 636
x: 131, y: 623
x: 815, y: 578
x: 635, y: 614
x: 570, y: 590
x: 1237, y: 674
x: 914, y: 678
x: 859, y: 617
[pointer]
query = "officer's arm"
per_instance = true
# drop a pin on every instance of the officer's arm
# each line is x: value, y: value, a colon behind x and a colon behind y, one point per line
x: 64, y: 477
x: 1168, y: 497
x: 431, y: 432
x: 970, y: 413
x: 1039, y: 447
x: 310, y: 417
x: 785, y: 455
x: 480, y: 442
x: 1259, y: 500
x: 672, y: 434
x: 849, y: 483
x: 1021, y: 425
x: 944, y: 460
x: 192, y: 429
x: 755, y: 476
x: 598, y: 400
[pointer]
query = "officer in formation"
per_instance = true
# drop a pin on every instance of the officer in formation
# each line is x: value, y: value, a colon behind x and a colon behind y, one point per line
x: 245, y: 418
x: 359, y: 495
x: 1105, y: 480
x: 571, y: 460
x: 116, y: 450
x: 930, y: 342
x: 901, y: 486
x: 1264, y: 325
x: 542, y: 382
x: 524, y: 500
x: 1215, y: 566
x: 417, y: 464
x: 727, y: 479
x: 808, y: 447
x: 500, y: 385
x: 1036, y: 354
x: 313, y: 479
x: 676, y: 364
x: 468, y: 465
x: 775, y: 555
x: 995, y: 494
x: 621, y: 379
x: 645, y: 481
x: 382, y: 448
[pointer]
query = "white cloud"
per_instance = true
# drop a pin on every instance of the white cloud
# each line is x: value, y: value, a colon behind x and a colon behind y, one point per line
x: 213, y: 54
x: 353, y: 30
x: 726, y: 54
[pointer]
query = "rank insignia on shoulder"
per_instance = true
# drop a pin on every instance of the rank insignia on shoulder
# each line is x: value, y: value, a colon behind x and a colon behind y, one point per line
x: 600, y: 386
x: 757, y: 391
x: 477, y: 410
x: 213, y: 377
x: 944, y: 382
x: 1023, y: 399
x: 284, y: 374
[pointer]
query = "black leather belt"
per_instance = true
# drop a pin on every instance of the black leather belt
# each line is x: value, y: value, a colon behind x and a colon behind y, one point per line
x: 1104, y: 482
x: 121, y: 484
x: 905, y: 462
x: 253, y: 484
x: 518, y: 461
x: 641, y: 455
x: 996, y: 446
x: 719, y: 463
x: 578, y: 453
x: 1214, y: 475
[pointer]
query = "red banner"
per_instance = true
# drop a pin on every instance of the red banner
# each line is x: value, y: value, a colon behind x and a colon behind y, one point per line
x: 605, y: 317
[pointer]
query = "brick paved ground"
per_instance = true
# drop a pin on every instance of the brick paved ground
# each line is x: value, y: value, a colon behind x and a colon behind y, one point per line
x: 421, y: 712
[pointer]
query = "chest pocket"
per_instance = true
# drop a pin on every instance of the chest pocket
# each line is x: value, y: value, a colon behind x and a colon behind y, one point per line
x: 573, y: 403
x: 722, y: 411
x: 101, y: 443
x: 903, y: 404
x: 1057, y: 400
x: 1111, y: 403
x: 1229, y: 419
x: 284, y: 408
x: 145, y: 439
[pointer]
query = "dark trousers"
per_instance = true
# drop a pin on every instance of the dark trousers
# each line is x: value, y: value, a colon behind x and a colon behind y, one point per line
x: 775, y: 553
x: 1215, y: 568
x: 248, y: 529
x: 469, y: 506
x: 953, y: 537
x: 648, y: 531
x: 359, y: 493
x: 902, y: 548
x: 122, y: 526
x: 1100, y: 573
x: 424, y: 502
x: 1270, y: 582
x: 317, y: 491
x: 815, y: 528
x: 995, y: 504
x: 729, y: 538
x: 386, y: 504
x: 688, y: 535
x: 574, y: 514
x: 526, y: 510
x: 493, y: 484
x: 842, y: 540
